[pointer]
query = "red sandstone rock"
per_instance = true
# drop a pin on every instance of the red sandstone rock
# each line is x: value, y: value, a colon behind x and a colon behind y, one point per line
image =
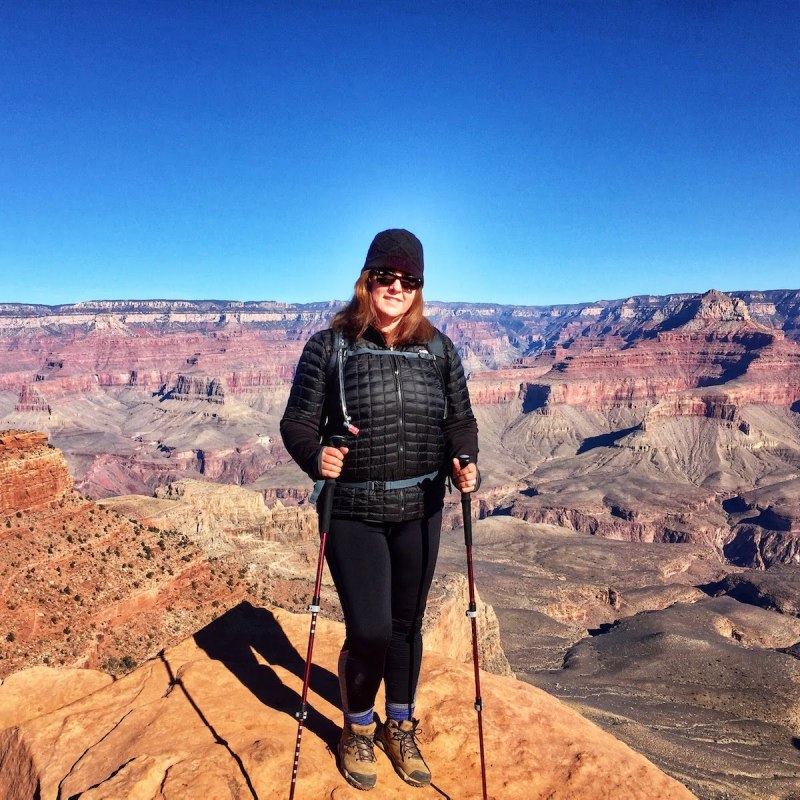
x: 84, y: 586
x: 32, y: 474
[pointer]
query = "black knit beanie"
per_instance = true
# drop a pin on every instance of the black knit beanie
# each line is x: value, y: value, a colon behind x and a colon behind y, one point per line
x: 396, y: 249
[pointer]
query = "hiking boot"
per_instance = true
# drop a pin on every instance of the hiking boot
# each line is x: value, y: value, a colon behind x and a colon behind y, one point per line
x: 398, y: 740
x: 357, y: 760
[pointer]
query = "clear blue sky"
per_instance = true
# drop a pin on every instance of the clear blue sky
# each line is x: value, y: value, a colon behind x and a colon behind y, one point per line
x: 544, y: 152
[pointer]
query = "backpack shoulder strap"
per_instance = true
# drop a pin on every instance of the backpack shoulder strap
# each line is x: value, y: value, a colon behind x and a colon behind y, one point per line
x: 436, y: 348
x: 334, y: 371
x: 339, y: 348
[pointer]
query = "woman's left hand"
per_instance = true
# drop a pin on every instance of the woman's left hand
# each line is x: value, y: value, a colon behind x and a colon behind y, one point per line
x: 466, y: 480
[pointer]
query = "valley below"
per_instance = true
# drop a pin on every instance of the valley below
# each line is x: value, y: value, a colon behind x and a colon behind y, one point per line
x: 650, y: 642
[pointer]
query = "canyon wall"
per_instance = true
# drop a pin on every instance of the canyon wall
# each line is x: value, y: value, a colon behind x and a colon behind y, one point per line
x: 141, y: 394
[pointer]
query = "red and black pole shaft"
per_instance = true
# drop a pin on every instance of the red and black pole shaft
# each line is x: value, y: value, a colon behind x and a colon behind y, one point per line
x: 472, y: 613
x: 325, y: 504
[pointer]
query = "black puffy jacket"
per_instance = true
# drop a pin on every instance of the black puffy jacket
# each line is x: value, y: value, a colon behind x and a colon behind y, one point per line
x: 409, y: 424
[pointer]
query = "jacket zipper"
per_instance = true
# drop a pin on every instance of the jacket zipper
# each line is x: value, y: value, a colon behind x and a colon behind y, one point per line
x: 401, y: 445
x: 401, y: 438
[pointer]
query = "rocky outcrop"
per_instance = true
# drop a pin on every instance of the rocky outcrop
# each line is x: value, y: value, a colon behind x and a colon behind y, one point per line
x: 503, y: 385
x: 219, y: 516
x: 765, y: 527
x: 33, y: 474
x: 30, y: 400
x: 214, y: 717
x: 447, y: 631
x: 193, y: 387
x: 777, y: 589
x: 85, y: 586
x: 711, y: 309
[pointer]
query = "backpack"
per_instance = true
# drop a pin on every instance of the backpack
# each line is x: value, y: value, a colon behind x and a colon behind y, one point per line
x: 342, y: 348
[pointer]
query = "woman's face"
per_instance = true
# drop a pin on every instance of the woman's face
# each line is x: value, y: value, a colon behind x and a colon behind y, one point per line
x: 390, y: 302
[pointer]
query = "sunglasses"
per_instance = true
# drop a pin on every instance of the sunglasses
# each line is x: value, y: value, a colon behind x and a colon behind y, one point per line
x: 385, y: 277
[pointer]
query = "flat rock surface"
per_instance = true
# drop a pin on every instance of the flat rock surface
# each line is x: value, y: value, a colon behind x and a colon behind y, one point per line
x: 214, y: 718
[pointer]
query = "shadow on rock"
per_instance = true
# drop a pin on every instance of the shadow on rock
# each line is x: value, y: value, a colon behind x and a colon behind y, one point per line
x: 234, y: 638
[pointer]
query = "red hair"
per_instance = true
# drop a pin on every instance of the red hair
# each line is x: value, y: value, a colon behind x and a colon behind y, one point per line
x: 359, y: 314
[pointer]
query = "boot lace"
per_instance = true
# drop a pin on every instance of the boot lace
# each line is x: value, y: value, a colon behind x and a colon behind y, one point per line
x: 408, y: 741
x: 362, y: 746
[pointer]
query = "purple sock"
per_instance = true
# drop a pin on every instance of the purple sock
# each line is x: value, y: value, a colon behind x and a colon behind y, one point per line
x: 360, y: 718
x: 399, y: 712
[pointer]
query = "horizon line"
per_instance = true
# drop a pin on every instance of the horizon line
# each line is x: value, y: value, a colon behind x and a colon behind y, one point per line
x: 175, y: 300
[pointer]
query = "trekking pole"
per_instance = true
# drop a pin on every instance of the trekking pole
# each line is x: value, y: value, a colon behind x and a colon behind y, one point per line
x: 472, y: 613
x: 326, y: 502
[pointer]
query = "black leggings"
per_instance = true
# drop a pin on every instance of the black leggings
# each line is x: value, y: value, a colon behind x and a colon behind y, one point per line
x: 382, y: 572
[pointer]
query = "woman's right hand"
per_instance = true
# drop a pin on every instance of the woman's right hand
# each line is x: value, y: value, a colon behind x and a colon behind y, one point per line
x: 331, y: 460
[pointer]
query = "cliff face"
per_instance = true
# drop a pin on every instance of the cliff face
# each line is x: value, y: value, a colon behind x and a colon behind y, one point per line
x: 219, y: 516
x: 251, y: 346
x: 766, y: 526
x: 709, y: 341
x: 33, y: 475
x: 85, y: 586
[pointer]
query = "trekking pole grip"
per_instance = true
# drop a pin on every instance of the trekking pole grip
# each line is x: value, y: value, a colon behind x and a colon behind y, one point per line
x: 466, y: 504
x: 326, y: 500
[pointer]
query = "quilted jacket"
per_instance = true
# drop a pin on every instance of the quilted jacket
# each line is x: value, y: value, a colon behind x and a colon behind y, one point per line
x: 410, y: 424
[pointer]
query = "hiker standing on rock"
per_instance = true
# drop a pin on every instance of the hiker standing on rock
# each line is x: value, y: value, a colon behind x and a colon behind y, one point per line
x: 394, y: 386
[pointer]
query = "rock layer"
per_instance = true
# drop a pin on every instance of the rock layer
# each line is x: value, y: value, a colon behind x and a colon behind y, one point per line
x: 32, y: 474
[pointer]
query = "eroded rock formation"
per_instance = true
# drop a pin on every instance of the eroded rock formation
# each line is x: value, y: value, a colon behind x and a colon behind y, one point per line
x: 83, y: 585
x: 32, y: 473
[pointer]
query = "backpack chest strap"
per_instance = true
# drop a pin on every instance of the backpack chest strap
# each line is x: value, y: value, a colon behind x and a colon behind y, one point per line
x: 424, y: 354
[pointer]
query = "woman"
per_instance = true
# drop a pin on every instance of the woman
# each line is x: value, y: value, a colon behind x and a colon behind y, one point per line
x: 384, y: 377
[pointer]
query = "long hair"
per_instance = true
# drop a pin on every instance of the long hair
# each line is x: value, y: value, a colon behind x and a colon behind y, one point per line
x: 359, y: 314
